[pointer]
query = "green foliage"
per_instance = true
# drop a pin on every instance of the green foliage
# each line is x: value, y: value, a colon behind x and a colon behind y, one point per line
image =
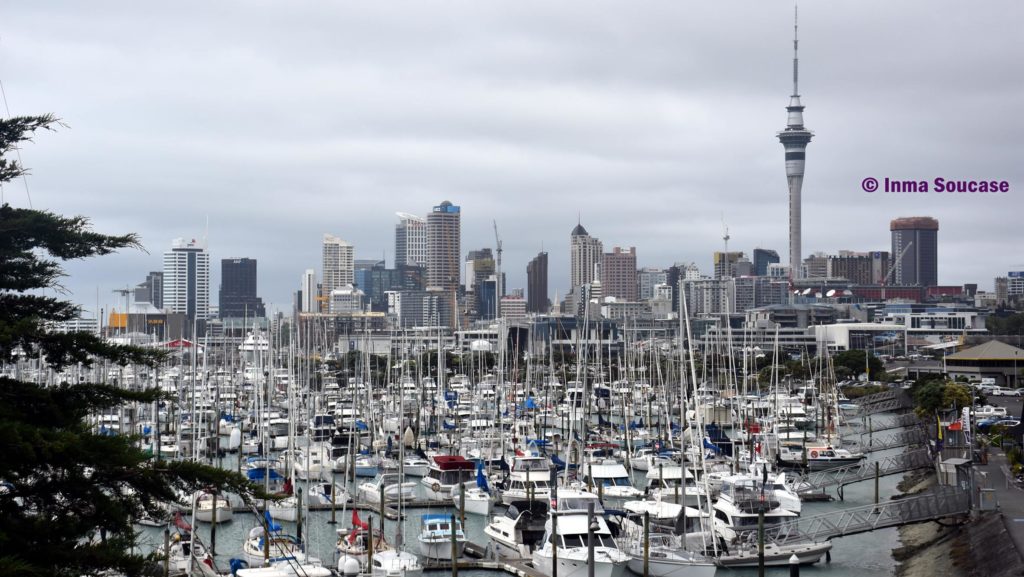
x: 1006, y: 325
x: 853, y: 362
x: 935, y: 394
x: 70, y: 493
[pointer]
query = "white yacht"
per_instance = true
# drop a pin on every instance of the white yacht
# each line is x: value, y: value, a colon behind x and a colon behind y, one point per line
x: 741, y: 499
x: 676, y: 484
x: 436, y: 537
x: 529, y: 477
x: 206, y: 503
x: 611, y: 481
x: 446, y: 474
x: 393, y: 489
x: 571, y: 539
x: 515, y: 533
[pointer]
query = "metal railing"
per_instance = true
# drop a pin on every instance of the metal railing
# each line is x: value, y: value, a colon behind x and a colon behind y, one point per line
x: 936, y: 504
x: 845, y: 475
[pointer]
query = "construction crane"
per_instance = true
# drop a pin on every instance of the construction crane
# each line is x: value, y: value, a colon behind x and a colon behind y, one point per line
x: 497, y: 274
x: 892, y: 269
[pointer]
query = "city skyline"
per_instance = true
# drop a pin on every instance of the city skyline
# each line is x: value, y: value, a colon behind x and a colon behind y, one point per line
x: 620, y: 122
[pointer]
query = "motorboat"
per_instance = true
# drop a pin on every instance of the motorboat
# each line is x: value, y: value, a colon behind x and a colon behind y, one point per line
x: 569, y: 533
x: 739, y: 504
x: 477, y: 501
x: 516, y: 532
x: 529, y: 478
x: 817, y: 456
x: 395, y: 563
x: 393, y: 488
x: 611, y: 480
x: 648, y: 459
x: 446, y: 474
x: 439, y: 534
x: 675, y: 484
x: 415, y: 466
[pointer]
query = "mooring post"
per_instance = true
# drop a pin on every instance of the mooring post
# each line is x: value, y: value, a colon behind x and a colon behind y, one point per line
x: 455, y: 549
x: 591, y: 527
x: 760, y: 542
x: 647, y: 543
x: 213, y: 526
x: 877, y: 474
x: 334, y: 511
x: 794, y: 566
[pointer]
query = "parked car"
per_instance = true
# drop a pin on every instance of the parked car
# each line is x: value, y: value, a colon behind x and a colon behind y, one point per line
x: 987, y: 424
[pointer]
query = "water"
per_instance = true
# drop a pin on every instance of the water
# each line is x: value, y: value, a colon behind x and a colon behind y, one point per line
x: 864, y: 555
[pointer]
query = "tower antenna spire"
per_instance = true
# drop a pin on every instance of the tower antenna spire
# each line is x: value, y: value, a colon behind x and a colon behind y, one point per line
x: 796, y: 59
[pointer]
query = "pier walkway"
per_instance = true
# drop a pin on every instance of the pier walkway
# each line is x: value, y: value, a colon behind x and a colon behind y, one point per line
x: 841, y: 476
x: 939, y: 503
x: 885, y: 402
x: 870, y: 427
x: 915, y: 436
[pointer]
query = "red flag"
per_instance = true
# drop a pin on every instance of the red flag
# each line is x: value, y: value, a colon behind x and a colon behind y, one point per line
x: 356, y: 522
x: 955, y: 426
x: 180, y: 522
x: 352, y: 536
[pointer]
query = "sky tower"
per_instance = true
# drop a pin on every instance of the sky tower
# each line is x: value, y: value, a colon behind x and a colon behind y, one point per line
x: 794, y: 139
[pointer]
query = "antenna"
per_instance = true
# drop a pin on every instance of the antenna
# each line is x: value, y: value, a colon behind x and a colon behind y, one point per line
x: 497, y: 275
x: 725, y: 238
x: 796, y: 60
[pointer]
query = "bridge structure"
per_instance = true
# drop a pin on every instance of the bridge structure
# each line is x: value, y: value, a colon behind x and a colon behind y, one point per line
x: 818, y: 481
x: 905, y: 438
x: 887, y: 401
x: 938, y: 503
x: 868, y: 425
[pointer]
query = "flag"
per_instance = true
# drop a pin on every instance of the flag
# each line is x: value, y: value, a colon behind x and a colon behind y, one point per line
x: 939, y: 421
x: 356, y: 522
x: 180, y: 522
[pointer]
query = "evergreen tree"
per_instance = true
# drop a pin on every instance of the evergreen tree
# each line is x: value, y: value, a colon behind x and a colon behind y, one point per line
x: 68, y: 494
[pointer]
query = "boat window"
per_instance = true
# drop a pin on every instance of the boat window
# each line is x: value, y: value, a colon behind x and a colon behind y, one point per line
x: 571, y: 541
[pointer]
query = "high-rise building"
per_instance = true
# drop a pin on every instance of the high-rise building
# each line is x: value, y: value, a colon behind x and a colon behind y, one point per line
x: 762, y: 258
x: 308, y: 292
x: 238, y: 298
x: 1014, y: 283
x: 584, y: 255
x: 513, y: 308
x: 648, y: 278
x: 725, y: 263
x: 618, y: 274
x: 479, y: 266
x: 1002, y: 290
x: 537, y: 284
x: 859, y: 267
x: 709, y: 297
x: 410, y: 240
x: 795, y: 139
x: 338, y: 266
x: 444, y: 246
x: 187, y: 280
x: 151, y: 290
x: 915, y: 251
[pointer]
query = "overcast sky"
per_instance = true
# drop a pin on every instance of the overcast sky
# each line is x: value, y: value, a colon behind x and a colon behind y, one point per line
x: 277, y: 122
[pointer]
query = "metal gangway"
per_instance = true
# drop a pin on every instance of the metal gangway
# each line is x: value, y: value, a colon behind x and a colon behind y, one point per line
x: 916, y: 436
x: 938, y: 503
x: 839, y: 477
x: 884, y: 402
x: 871, y: 426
